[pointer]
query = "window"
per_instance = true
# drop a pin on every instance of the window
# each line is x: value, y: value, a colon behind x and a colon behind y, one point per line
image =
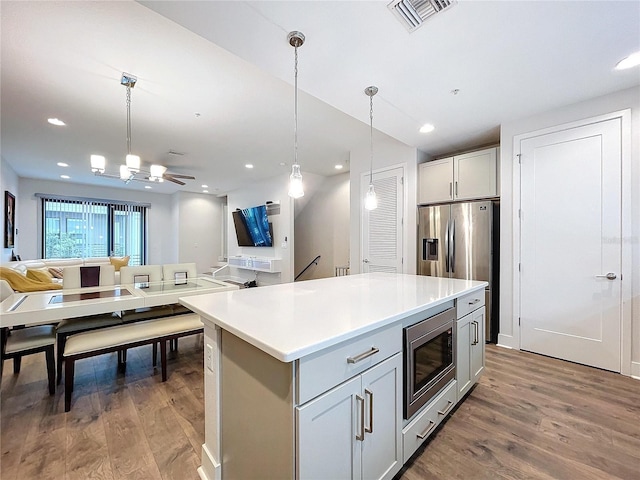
x: 76, y: 227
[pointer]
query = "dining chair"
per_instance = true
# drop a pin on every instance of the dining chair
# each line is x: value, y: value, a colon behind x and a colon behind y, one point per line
x: 179, y: 271
x: 19, y: 342
x: 82, y: 277
x: 138, y: 275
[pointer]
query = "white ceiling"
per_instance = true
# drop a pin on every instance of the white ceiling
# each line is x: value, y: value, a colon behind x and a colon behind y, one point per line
x: 230, y: 62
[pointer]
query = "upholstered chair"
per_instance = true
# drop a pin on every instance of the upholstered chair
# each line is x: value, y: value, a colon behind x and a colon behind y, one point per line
x: 82, y: 277
x: 139, y: 275
x: 89, y: 276
x: 19, y: 342
x: 179, y: 271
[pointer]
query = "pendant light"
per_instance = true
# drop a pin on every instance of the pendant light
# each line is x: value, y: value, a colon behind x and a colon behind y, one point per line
x: 295, y: 39
x: 132, y: 162
x: 371, y: 200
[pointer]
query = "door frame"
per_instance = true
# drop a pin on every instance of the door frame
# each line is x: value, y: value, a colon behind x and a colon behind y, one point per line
x: 626, y: 240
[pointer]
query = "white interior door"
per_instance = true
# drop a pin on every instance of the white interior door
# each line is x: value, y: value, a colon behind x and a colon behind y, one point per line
x: 382, y: 227
x: 570, y: 232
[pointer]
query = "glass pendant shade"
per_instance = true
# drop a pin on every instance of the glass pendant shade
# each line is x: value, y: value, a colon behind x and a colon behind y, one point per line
x: 296, y: 189
x: 98, y: 163
x: 371, y: 199
x: 133, y: 163
x: 125, y: 174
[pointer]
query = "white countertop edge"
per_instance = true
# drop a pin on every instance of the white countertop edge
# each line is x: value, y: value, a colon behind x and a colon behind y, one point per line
x: 290, y: 356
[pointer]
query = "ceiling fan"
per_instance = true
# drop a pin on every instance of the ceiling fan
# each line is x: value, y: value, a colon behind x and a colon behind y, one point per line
x: 158, y: 173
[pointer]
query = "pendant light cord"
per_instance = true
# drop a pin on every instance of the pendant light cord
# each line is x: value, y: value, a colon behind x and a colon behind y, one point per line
x: 128, y: 119
x: 371, y: 137
x: 295, y: 111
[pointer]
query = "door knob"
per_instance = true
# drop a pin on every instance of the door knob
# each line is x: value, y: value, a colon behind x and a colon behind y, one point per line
x: 608, y: 276
x: 366, y: 260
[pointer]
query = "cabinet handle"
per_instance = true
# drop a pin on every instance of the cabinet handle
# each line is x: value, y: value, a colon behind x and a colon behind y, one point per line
x: 450, y: 189
x: 475, y: 333
x: 456, y: 189
x: 429, y: 429
x: 362, y: 356
x: 370, y: 393
x: 360, y: 436
x: 446, y: 410
x: 474, y: 301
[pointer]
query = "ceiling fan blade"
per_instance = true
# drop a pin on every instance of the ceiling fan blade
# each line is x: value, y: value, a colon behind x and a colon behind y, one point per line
x: 173, y: 180
x: 177, y: 175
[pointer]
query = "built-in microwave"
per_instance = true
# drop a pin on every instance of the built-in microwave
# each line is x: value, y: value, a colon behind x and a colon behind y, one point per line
x: 429, y: 359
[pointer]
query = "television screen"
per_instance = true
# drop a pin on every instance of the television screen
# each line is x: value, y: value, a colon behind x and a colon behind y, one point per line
x: 252, y: 227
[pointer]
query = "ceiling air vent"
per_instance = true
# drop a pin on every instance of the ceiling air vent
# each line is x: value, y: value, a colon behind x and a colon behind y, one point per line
x: 413, y: 13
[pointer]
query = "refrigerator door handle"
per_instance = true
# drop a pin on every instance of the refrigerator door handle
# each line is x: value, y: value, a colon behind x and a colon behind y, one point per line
x: 452, y: 246
x: 446, y: 248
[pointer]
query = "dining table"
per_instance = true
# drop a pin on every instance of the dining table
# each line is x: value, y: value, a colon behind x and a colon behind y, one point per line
x: 50, y: 306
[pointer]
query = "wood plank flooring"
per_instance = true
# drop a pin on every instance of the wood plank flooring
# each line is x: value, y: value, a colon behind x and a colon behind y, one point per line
x: 530, y: 417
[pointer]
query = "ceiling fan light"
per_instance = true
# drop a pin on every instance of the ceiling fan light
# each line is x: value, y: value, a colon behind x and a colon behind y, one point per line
x: 157, y: 171
x: 125, y: 174
x: 98, y: 163
x: 371, y: 199
x: 133, y: 163
x: 296, y: 189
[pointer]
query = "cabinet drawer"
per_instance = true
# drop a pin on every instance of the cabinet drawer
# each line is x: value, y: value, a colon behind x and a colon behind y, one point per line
x: 427, y: 420
x: 470, y: 302
x: 322, y: 371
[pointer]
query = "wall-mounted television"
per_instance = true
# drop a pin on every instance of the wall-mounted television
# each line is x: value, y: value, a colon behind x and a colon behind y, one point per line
x: 252, y: 227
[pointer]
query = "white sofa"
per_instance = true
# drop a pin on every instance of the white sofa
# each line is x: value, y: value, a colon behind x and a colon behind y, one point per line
x: 22, y: 265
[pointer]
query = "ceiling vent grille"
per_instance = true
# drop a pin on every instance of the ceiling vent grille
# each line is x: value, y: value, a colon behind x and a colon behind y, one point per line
x: 413, y: 13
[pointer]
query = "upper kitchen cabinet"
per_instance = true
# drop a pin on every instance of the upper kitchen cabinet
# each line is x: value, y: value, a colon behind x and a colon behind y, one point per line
x: 468, y: 176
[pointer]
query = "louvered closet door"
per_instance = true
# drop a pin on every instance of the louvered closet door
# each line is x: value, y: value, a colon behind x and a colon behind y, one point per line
x: 382, y: 227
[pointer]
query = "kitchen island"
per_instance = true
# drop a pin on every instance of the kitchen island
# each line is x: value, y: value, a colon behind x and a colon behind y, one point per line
x: 292, y: 370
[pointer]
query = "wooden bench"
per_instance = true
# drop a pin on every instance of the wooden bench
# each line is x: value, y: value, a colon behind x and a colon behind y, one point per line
x: 121, y: 337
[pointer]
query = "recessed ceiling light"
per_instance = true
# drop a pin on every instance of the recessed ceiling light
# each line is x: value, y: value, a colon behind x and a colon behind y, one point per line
x: 205, y: 191
x: 426, y: 128
x: 283, y: 164
x: 338, y: 167
x: 66, y: 177
x: 62, y: 164
x: 248, y: 165
x: 148, y: 187
x: 205, y: 186
x: 631, y: 61
x: 56, y: 121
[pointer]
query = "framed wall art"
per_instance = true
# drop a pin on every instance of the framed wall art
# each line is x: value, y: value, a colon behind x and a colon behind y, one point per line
x: 9, y: 219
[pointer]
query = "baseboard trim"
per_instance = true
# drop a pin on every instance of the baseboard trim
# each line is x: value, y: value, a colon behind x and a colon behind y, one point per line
x: 635, y: 370
x: 210, y: 469
x: 507, y: 341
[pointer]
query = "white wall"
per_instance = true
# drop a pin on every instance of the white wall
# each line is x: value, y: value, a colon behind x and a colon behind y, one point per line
x: 509, y: 330
x: 9, y: 182
x: 274, y: 190
x: 322, y: 228
x: 199, y: 221
x: 387, y: 152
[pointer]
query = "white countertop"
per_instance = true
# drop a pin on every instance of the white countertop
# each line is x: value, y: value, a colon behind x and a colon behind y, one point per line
x: 292, y: 320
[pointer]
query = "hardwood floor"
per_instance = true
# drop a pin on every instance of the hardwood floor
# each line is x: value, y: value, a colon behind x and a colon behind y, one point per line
x: 529, y: 417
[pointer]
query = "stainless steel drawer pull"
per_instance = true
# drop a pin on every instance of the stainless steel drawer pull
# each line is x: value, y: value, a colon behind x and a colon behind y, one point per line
x: 446, y: 410
x: 362, y: 356
x: 429, y: 429
x: 474, y: 302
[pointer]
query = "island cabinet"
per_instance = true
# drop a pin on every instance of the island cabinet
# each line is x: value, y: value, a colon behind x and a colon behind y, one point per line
x: 467, y: 176
x: 334, y: 414
x: 352, y: 431
x: 470, y: 341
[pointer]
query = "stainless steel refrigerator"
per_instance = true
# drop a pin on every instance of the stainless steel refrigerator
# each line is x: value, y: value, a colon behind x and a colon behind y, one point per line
x: 460, y: 240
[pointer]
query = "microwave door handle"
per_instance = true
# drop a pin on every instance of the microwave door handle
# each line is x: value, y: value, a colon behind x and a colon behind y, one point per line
x: 446, y: 248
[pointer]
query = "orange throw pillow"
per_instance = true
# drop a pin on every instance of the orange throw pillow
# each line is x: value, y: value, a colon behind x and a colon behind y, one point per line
x: 39, y: 275
x: 119, y: 262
